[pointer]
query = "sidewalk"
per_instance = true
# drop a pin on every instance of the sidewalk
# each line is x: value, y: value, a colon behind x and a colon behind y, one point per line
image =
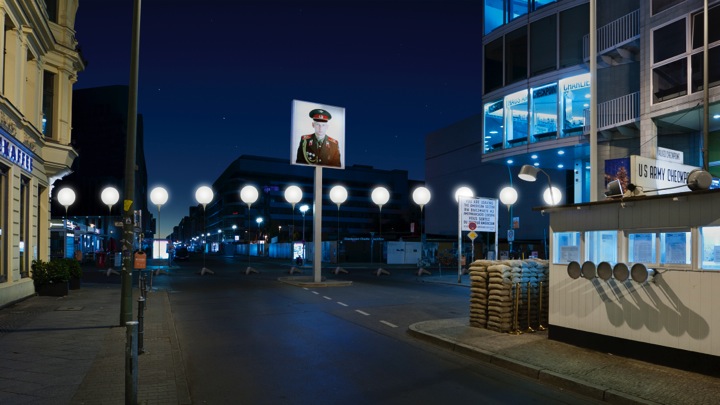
x: 602, y: 376
x: 69, y: 350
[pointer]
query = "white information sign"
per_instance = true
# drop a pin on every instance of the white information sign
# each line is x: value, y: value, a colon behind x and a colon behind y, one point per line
x: 481, y: 211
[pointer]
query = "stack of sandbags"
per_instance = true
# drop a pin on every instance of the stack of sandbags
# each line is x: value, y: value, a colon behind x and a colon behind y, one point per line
x: 478, y: 293
x: 500, y: 296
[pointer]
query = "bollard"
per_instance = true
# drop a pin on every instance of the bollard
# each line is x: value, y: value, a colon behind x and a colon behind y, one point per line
x: 516, y: 328
x: 141, y: 324
x: 131, y: 363
x: 529, y: 328
x: 540, y: 325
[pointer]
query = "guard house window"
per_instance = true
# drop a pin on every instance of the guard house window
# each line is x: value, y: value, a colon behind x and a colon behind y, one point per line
x: 516, y: 118
x: 543, y: 45
x: 642, y: 248
x: 710, y: 245
x: 493, y: 126
x: 574, y: 101
x: 544, y: 112
x: 566, y: 247
x: 516, y: 55
x: 493, y: 65
x: 675, y: 248
x: 662, y: 5
x: 601, y: 246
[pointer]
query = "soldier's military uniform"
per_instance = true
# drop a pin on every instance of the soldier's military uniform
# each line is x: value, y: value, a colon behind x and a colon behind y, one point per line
x: 313, y: 152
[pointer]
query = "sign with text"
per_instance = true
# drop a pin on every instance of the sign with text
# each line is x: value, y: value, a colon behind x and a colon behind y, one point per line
x: 652, y: 176
x: 481, y: 212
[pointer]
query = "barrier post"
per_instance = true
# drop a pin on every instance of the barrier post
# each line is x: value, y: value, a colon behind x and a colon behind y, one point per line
x: 529, y: 328
x: 131, y: 362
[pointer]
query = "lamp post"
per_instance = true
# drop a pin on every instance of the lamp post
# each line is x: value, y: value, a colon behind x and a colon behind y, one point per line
x: 293, y: 195
x: 204, y: 195
x: 249, y: 194
x: 380, y: 196
x: 66, y: 197
x: 303, y: 208
x: 338, y: 195
x: 421, y: 196
x: 159, y: 197
x: 110, y: 196
x: 460, y: 193
x: 509, y: 196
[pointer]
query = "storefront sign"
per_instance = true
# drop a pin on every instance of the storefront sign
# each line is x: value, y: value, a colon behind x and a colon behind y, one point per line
x: 15, y: 154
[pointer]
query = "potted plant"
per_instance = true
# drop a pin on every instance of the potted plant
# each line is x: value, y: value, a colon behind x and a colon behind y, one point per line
x: 50, y: 278
x: 75, y: 272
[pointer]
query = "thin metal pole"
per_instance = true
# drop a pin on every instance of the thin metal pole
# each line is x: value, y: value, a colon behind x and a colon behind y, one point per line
x: 128, y: 225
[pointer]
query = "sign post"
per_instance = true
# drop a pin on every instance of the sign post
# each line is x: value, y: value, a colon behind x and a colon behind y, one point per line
x: 476, y: 214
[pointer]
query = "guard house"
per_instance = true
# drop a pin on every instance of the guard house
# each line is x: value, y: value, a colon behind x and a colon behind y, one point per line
x: 638, y: 276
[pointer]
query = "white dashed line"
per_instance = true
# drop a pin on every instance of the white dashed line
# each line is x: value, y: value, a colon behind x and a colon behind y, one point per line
x: 342, y: 303
x: 316, y: 293
x: 327, y: 298
x: 388, y: 324
x: 362, y: 312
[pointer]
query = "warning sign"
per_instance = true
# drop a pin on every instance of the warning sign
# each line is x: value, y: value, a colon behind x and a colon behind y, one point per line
x: 482, y: 212
x: 472, y: 235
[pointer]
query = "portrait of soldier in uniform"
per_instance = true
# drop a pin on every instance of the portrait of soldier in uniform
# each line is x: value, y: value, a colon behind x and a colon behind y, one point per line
x: 318, y: 148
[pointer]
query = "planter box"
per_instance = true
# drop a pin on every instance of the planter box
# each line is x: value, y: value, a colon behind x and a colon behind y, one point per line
x: 52, y: 289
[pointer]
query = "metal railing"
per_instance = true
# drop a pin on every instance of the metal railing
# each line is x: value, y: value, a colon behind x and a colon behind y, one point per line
x: 615, y: 33
x: 619, y: 111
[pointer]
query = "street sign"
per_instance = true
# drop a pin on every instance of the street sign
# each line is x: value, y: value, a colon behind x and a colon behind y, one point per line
x: 511, y: 235
x: 480, y: 211
x: 472, y: 235
x: 472, y: 226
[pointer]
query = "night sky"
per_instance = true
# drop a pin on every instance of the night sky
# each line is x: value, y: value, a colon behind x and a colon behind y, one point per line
x: 217, y: 78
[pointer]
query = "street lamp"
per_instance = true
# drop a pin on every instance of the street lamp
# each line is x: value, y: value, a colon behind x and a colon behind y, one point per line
x: 461, y: 192
x: 204, y: 195
x: 159, y: 197
x: 338, y: 195
x: 509, y: 196
x: 110, y: 196
x: 66, y: 197
x: 529, y: 173
x: 249, y: 194
x: 293, y: 195
x: 421, y: 196
x: 303, y: 208
x: 380, y: 196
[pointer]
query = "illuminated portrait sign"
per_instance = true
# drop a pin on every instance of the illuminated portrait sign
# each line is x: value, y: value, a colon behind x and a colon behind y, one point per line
x: 318, y: 135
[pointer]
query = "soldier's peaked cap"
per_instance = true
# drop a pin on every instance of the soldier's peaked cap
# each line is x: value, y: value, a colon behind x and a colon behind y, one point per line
x: 320, y: 115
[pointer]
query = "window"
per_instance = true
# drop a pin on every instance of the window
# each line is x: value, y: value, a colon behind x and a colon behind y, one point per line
x: 566, y: 247
x: 574, y: 102
x: 669, y: 41
x: 516, y: 118
x: 642, y: 248
x: 517, y: 8
x: 601, y: 246
x: 493, y: 126
x: 662, y: 5
x: 574, y: 25
x: 710, y: 245
x: 698, y: 34
x: 675, y: 248
x: 3, y: 222
x: 24, y: 234
x: 670, y: 81
x: 493, y: 65
x: 494, y: 15
x: 697, y: 69
x: 48, y: 103
x: 543, y: 46
x: 544, y: 112
x: 516, y: 55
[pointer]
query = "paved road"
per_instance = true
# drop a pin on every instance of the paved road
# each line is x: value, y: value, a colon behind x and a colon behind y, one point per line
x: 252, y: 339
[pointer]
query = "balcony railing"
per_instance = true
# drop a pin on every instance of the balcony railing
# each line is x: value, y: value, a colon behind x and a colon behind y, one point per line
x: 620, y: 111
x: 614, y: 34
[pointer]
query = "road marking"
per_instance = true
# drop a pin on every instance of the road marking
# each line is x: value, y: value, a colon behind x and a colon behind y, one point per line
x: 342, y: 303
x: 326, y: 297
x: 389, y: 324
x: 316, y: 293
x: 362, y: 312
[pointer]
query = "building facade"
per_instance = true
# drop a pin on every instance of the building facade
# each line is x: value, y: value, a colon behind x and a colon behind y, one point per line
x: 39, y: 62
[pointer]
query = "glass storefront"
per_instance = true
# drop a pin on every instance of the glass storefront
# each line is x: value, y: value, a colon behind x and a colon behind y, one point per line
x: 493, y: 126
x: 544, y: 112
x: 516, y: 118
x: 575, y: 101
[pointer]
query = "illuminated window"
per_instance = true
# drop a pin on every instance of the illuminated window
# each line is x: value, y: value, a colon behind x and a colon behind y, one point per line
x: 642, y: 248
x: 601, y: 246
x: 544, y: 113
x: 493, y: 127
x: 575, y: 93
x: 516, y: 118
x: 566, y: 247
x: 710, y: 245
x: 675, y: 248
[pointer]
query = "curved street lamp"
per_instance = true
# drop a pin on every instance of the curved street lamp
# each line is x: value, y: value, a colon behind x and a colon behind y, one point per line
x: 552, y: 195
x: 249, y: 194
x: 204, y: 195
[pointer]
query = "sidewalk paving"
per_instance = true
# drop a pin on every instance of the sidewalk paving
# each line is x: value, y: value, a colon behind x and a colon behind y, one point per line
x: 70, y: 350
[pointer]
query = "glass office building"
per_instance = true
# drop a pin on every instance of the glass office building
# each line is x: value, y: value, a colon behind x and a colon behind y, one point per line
x: 650, y: 62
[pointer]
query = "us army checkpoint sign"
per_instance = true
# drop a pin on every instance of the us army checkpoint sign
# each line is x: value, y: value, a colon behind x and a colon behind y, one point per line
x: 482, y: 212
